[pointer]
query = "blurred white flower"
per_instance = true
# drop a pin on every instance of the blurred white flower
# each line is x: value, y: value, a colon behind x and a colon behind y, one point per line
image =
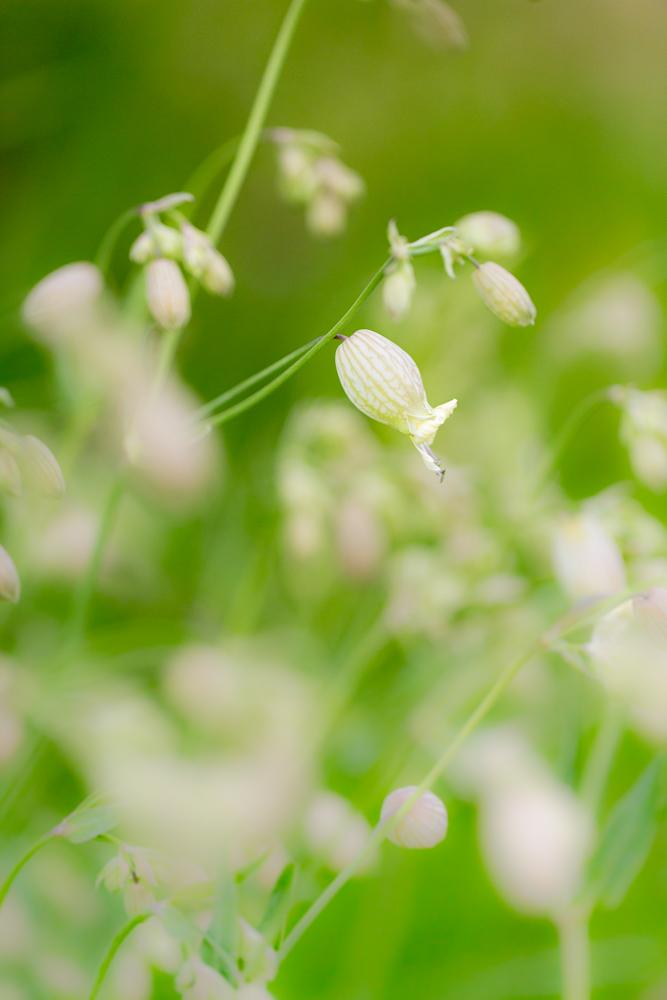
x: 360, y: 538
x: 64, y: 302
x: 535, y: 838
x: 494, y: 757
x: 197, y: 981
x: 425, y: 823
x: 587, y: 561
x: 489, y: 233
x: 423, y: 592
x: 10, y: 585
x: 334, y: 831
x: 436, y: 23
x: 629, y: 652
x: 644, y: 431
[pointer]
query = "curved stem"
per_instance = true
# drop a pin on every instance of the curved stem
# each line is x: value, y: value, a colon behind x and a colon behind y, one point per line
x: 578, y: 414
x: 486, y: 704
x: 110, y: 238
x: 115, y: 945
x: 248, y: 383
x: 255, y: 124
x: 22, y: 862
x: 257, y: 397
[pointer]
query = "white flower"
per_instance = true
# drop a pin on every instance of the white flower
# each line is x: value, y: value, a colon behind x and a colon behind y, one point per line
x: 586, y: 560
x: 504, y: 295
x: 64, y: 300
x: 10, y: 585
x: 167, y: 294
x: 424, y: 824
x: 334, y: 831
x: 384, y: 383
x: 629, y: 652
x: 535, y: 837
x: 198, y: 981
x: 490, y: 234
x: 644, y: 431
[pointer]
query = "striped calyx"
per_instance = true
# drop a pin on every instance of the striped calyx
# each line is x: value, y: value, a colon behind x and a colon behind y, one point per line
x: 385, y: 383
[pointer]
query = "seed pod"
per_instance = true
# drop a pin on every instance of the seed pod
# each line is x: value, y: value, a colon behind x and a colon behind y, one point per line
x: 385, y: 383
x: 10, y: 585
x: 504, y: 295
x: 424, y: 824
x: 167, y: 294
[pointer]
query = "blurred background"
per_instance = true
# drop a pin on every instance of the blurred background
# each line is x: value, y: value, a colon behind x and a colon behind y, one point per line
x: 273, y: 650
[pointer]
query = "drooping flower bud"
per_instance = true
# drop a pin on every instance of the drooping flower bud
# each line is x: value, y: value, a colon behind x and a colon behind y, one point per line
x: 10, y: 475
x: 424, y: 824
x: 436, y: 23
x: 504, y: 295
x: 326, y: 214
x: 10, y: 585
x: 167, y: 294
x: 157, y: 240
x: 64, y: 300
x: 384, y: 382
x: 586, y: 559
x: 490, y: 233
x: 398, y: 288
x: 40, y: 467
x: 206, y: 263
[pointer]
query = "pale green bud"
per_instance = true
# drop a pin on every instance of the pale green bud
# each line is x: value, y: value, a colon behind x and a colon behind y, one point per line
x: 10, y: 585
x: 644, y: 431
x: 298, y: 182
x: 336, y: 177
x: 217, y: 276
x: 157, y: 240
x: 327, y: 214
x: 504, y: 295
x: 40, y: 467
x: 167, y: 294
x: 490, y: 234
x: 423, y: 825
x: 10, y: 475
x: 398, y: 288
x: 384, y: 382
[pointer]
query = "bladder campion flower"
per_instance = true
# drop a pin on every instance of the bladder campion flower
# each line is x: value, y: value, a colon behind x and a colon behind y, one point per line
x: 384, y: 382
x: 424, y: 824
x: 167, y: 294
x: 504, y: 295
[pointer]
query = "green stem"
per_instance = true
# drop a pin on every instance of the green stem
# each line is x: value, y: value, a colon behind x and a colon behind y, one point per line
x: 115, y: 945
x: 577, y: 416
x: 256, y: 120
x: 22, y: 862
x: 201, y: 179
x: 257, y: 397
x: 84, y: 594
x: 601, y: 756
x: 110, y: 238
x: 574, y: 955
x: 248, y: 383
x: 381, y: 831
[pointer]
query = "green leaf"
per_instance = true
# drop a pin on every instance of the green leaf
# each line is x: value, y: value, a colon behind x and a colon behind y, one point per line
x: 625, y: 840
x: 245, y: 873
x: 89, y: 820
x: 220, y: 945
x: 279, y: 902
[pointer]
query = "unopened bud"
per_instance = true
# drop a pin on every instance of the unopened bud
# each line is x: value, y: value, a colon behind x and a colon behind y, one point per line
x: 384, y: 382
x: 10, y: 585
x: 63, y: 299
x: 490, y: 234
x: 504, y: 295
x: 115, y: 874
x: 326, y: 214
x: 339, y: 179
x: 167, y: 294
x: 217, y: 276
x: 644, y: 431
x: 157, y: 240
x: 398, y: 288
x: 423, y: 825
x: 10, y: 475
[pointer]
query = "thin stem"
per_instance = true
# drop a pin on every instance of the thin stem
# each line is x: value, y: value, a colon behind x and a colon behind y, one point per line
x: 574, y: 955
x: 115, y: 945
x: 84, y: 594
x: 577, y: 416
x: 257, y: 397
x: 110, y: 238
x: 601, y: 756
x: 202, y: 177
x: 255, y: 124
x: 22, y: 862
x: 381, y: 831
x: 248, y: 383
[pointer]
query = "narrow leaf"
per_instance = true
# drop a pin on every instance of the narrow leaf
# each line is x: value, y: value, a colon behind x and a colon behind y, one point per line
x: 279, y: 902
x: 220, y: 945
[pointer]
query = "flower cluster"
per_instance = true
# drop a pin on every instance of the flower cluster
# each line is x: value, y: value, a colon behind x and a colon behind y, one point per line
x: 436, y: 22
x: 165, y: 249
x: 311, y: 174
x: 644, y: 431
